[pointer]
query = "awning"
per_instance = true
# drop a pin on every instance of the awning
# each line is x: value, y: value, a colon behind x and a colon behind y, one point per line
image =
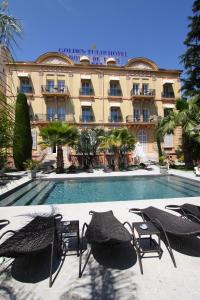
x: 86, y: 103
x: 114, y: 78
x: 168, y: 105
x: 115, y: 104
x: 85, y: 76
x: 23, y: 74
x: 168, y: 81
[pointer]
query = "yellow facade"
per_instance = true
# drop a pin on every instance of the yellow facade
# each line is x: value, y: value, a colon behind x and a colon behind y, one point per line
x: 87, y: 95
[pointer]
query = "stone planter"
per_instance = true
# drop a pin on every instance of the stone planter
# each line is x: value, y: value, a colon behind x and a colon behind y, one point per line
x: 163, y: 170
x: 32, y: 174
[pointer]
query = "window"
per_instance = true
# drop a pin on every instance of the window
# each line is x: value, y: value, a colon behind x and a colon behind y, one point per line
x: 145, y: 88
x: 135, y: 89
x: 168, y: 91
x: 142, y: 139
x: 61, y: 113
x: 136, y: 114
x: 50, y: 86
x: 115, y: 114
x: 34, y: 138
x: 168, y: 141
x: 87, y: 114
x: 145, y: 115
x: 115, y: 89
x: 50, y: 113
x: 86, y: 88
x: 25, y: 85
x: 61, y: 86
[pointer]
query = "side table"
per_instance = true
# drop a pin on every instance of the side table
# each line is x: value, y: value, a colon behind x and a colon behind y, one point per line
x: 144, y: 242
x: 70, y: 230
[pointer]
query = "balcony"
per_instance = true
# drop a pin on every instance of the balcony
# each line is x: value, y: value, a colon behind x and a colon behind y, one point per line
x: 115, y: 93
x: 52, y: 117
x: 86, y: 92
x: 55, y: 90
x: 141, y: 119
x: 115, y: 119
x: 87, y: 119
x: 168, y: 95
x: 25, y: 89
x: 141, y: 93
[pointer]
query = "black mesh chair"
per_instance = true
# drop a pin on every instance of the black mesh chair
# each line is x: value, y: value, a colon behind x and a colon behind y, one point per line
x: 168, y: 224
x: 104, y: 229
x: 36, y: 236
x: 187, y: 210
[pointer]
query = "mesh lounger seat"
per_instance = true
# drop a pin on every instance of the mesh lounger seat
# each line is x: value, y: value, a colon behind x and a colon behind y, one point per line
x: 188, y: 210
x: 169, y: 224
x: 36, y: 236
x: 104, y: 229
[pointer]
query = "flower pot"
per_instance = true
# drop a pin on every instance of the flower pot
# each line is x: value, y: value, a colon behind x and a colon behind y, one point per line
x: 163, y: 170
x: 32, y: 174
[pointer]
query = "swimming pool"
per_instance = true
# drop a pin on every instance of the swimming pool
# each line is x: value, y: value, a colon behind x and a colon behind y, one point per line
x: 102, y: 190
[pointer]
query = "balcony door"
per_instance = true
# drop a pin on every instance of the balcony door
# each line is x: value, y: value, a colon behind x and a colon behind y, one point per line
x: 142, y: 139
x: 86, y: 114
x: 145, y: 115
x: 50, y: 86
x: 115, y: 114
x: 136, y: 114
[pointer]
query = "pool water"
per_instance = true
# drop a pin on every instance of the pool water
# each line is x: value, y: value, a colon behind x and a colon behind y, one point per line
x: 102, y: 190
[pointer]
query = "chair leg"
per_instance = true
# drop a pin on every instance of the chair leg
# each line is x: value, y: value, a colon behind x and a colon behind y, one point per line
x: 51, y: 263
x: 80, y: 262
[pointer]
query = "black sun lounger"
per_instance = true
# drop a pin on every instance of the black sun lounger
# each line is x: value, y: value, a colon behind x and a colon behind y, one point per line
x: 36, y: 236
x: 104, y: 229
x: 169, y: 224
x: 188, y: 210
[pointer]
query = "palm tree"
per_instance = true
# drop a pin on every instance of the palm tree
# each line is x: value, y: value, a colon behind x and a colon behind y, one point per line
x: 58, y: 134
x: 10, y: 27
x: 188, y: 117
x: 119, y: 142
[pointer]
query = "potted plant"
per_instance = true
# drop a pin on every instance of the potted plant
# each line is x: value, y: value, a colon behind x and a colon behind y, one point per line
x: 163, y: 165
x: 32, y: 166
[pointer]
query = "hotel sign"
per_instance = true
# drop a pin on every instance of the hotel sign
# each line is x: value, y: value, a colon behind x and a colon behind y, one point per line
x: 97, y: 57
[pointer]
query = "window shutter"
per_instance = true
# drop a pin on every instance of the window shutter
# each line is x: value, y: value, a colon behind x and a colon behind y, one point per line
x: 34, y: 138
x: 168, y: 141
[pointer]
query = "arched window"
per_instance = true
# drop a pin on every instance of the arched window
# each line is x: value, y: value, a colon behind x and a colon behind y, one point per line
x: 142, y: 139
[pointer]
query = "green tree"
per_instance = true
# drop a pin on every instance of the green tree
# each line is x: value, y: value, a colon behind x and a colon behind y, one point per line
x: 119, y: 142
x: 191, y: 58
x: 22, y: 141
x: 88, y: 144
x: 188, y: 117
x: 58, y: 134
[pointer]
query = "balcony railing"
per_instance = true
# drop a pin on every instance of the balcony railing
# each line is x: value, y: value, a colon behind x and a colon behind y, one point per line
x: 115, y: 119
x: 52, y: 117
x: 141, y: 119
x: 115, y: 92
x: 87, y: 119
x: 25, y: 89
x: 86, y: 91
x: 56, y: 89
x: 168, y: 95
x: 142, y: 92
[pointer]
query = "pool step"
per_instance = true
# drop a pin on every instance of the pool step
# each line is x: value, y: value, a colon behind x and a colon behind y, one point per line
x: 191, y: 186
x: 41, y: 197
x: 37, y: 192
x: 11, y: 199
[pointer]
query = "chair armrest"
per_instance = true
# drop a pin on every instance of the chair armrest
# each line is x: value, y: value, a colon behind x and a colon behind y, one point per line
x: 8, y: 231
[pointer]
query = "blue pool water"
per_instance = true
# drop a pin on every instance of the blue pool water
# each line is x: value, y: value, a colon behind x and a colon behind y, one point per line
x: 102, y: 190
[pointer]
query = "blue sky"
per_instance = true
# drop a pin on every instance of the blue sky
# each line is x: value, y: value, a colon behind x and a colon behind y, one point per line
x: 150, y: 28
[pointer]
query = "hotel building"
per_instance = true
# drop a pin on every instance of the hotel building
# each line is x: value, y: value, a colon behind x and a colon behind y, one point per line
x: 108, y: 96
